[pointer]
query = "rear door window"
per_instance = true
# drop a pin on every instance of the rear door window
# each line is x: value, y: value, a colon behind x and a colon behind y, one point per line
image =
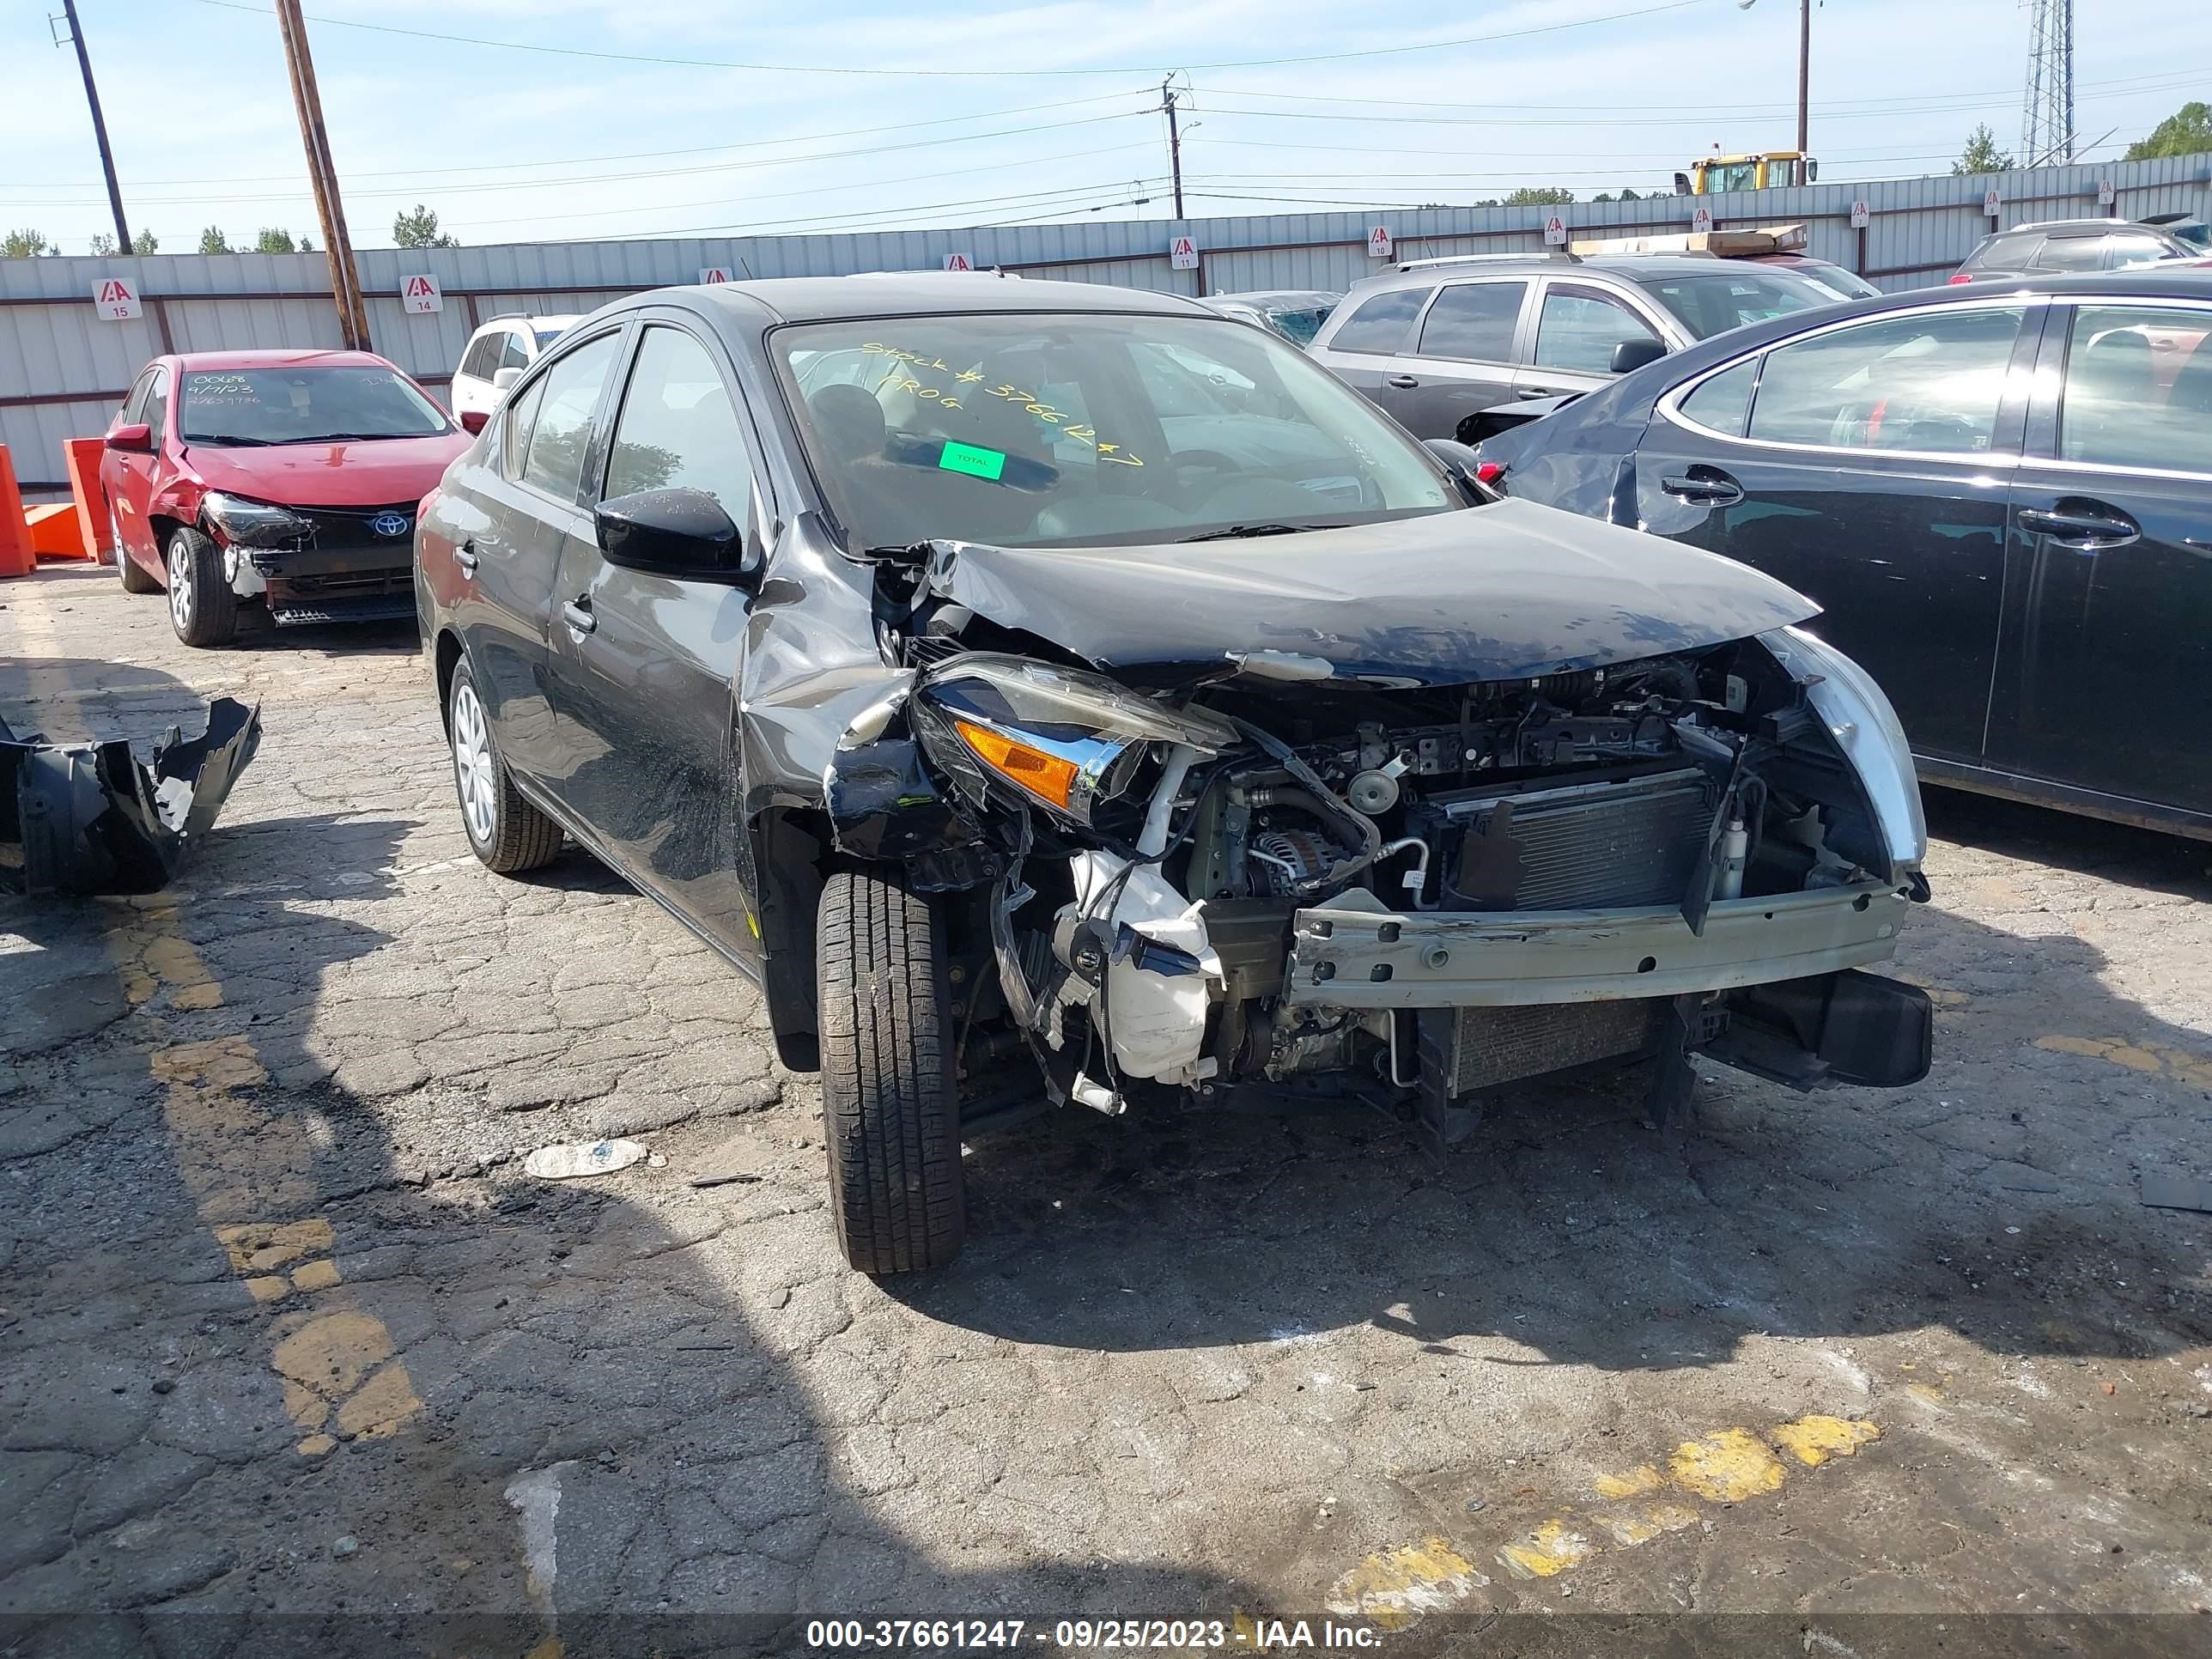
x: 1931, y: 382
x: 1721, y: 402
x: 1474, y: 322
x: 2138, y: 389
x: 479, y: 362
x: 1382, y: 322
x: 562, y: 431
x: 1579, y: 327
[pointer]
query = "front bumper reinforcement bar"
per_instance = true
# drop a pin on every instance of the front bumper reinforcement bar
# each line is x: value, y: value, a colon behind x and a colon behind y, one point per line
x: 1347, y: 954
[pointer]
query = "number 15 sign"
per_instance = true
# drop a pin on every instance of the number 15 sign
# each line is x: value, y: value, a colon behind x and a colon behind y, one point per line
x: 116, y: 299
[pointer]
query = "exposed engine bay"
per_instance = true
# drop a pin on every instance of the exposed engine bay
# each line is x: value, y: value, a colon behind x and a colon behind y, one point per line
x: 1279, y: 876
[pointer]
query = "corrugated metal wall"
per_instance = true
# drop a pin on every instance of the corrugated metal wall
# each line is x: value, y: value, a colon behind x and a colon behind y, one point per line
x: 62, y: 368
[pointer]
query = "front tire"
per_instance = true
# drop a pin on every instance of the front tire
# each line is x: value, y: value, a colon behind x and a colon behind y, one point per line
x: 890, y: 1108
x: 505, y: 831
x: 202, y: 608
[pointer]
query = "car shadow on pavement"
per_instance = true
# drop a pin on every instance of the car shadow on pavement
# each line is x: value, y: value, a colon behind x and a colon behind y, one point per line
x: 295, y: 1366
x: 1997, y: 1198
x: 2112, y: 852
x: 399, y: 638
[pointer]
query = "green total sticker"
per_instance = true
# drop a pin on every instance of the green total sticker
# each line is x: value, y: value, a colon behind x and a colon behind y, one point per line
x: 969, y: 458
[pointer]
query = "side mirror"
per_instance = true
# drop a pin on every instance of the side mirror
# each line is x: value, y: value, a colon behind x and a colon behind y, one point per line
x: 673, y: 532
x: 1681, y: 183
x: 136, y: 439
x: 501, y: 378
x: 1630, y: 355
x: 474, y: 421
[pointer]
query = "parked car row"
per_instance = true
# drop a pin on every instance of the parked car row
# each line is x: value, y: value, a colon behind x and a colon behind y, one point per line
x: 1036, y: 681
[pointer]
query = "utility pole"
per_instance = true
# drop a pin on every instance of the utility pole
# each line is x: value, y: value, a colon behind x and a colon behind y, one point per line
x: 323, y: 175
x: 1804, y: 72
x: 1168, y: 96
x: 1804, y: 79
x: 99, y: 125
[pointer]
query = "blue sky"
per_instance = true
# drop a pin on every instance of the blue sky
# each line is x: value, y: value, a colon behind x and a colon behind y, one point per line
x: 986, y: 113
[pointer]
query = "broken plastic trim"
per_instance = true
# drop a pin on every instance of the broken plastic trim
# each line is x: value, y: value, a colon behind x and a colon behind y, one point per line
x: 86, y: 819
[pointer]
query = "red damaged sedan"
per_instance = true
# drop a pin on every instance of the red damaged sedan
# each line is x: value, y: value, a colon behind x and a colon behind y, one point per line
x: 288, y: 480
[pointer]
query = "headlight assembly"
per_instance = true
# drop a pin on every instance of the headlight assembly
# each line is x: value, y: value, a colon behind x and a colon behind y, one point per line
x: 254, y: 524
x: 1866, y: 728
x: 1065, y: 739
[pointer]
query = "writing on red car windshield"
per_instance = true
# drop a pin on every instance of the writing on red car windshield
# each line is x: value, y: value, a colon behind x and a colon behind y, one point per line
x: 303, y: 406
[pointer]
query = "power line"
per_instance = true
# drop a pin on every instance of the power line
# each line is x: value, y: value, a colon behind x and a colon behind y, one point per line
x: 2162, y: 81
x: 503, y: 184
x: 638, y: 155
x: 1488, y: 39
x: 784, y: 195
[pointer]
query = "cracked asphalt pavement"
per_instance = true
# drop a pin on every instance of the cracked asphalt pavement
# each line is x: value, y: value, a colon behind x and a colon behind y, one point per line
x: 292, y: 1348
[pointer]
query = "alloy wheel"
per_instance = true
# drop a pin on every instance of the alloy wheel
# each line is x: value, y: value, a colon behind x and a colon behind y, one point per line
x: 472, y: 764
x: 115, y: 539
x: 181, y: 597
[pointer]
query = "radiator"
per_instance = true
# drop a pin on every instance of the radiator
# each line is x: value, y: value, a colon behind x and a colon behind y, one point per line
x: 1584, y: 846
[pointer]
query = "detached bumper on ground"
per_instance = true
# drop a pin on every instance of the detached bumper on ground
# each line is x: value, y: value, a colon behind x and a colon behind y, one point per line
x: 87, y: 818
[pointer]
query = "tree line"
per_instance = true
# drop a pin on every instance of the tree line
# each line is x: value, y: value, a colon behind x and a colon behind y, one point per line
x: 418, y: 228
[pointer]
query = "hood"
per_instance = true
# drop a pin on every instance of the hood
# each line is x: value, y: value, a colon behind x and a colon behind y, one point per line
x: 374, y: 473
x: 1502, y: 592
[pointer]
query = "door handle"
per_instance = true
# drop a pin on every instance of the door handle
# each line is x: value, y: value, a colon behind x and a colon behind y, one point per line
x: 1539, y: 391
x: 466, y: 557
x: 2090, y: 531
x: 577, y: 613
x: 1713, y: 489
x: 1403, y: 382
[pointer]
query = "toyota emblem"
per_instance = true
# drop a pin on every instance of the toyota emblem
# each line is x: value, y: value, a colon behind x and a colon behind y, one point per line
x: 389, y: 524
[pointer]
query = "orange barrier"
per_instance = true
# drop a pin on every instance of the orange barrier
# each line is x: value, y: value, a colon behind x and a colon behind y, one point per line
x: 83, y: 456
x: 55, y: 531
x: 16, y: 558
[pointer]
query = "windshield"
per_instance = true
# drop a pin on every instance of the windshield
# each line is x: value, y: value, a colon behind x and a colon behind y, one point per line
x: 1038, y: 430
x: 1708, y: 303
x: 302, y: 405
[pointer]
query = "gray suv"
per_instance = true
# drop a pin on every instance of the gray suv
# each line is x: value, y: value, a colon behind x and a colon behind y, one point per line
x: 1441, y: 344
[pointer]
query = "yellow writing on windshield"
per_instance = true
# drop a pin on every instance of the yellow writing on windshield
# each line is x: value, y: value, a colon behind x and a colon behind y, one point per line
x: 1005, y: 392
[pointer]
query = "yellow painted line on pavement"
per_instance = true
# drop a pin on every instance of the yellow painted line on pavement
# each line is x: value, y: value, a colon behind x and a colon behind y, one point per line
x: 251, y: 1174
x: 1395, y: 1588
x: 2152, y: 1059
x: 1813, y: 1440
x: 1726, y: 1467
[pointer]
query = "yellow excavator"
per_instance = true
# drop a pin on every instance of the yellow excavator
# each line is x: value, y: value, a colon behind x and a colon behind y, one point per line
x: 1768, y: 169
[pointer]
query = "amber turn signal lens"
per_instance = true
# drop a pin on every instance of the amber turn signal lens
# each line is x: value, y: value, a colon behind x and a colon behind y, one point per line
x: 1046, y: 776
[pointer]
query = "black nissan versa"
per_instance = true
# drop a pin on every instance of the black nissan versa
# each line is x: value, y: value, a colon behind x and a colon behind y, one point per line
x: 1055, y: 694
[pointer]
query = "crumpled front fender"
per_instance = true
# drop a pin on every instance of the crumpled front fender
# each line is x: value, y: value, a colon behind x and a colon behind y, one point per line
x: 85, y: 819
x: 883, y: 803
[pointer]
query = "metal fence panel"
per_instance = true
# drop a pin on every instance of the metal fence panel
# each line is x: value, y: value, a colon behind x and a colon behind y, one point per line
x: 61, y: 367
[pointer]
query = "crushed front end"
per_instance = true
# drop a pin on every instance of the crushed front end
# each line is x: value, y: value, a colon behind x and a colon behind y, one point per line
x: 1276, y: 876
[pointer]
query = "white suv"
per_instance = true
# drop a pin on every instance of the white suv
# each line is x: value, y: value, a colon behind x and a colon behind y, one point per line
x: 497, y: 354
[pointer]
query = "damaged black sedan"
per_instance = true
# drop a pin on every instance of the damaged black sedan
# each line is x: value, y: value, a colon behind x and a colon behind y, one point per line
x: 1034, y: 683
